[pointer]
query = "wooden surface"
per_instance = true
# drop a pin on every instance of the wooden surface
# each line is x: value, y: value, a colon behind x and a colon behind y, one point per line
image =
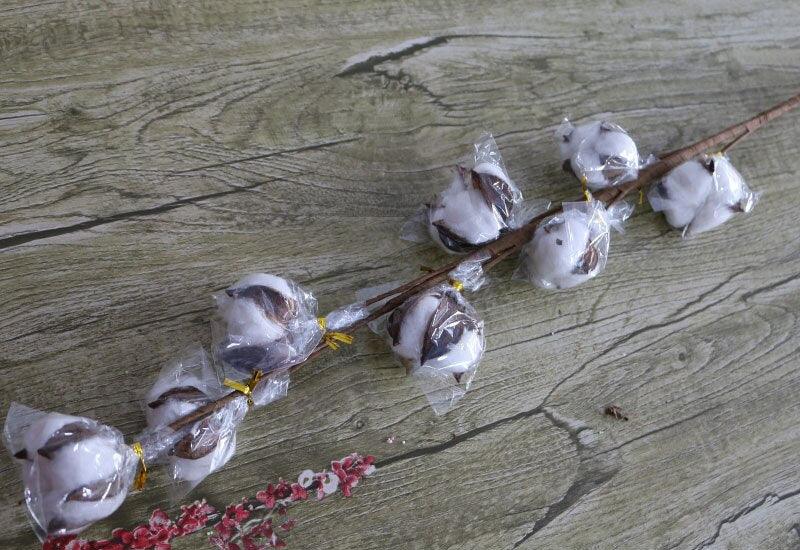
x: 153, y: 152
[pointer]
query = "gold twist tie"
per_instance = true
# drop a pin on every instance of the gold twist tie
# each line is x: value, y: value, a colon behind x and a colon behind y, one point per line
x: 333, y: 339
x: 141, y: 474
x: 245, y: 389
x: 456, y: 284
x: 641, y: 197
x: 586, y: 193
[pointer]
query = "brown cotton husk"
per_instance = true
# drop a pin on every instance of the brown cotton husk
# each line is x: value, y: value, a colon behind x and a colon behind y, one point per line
x: 70, y: 434
x: 275, y: 305
x: 446, y: 327
x: 188, y: 394
x: 497, y: 193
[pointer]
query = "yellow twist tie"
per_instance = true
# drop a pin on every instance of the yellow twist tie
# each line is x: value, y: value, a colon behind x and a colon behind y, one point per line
x: 333, y: 339
x: 641, y: 197
x: 456, y: 284
x: 141, y: 474
x: 245, y: 389
x: 586, y: 193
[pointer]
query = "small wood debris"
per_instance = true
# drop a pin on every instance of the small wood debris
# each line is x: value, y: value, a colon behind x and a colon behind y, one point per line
x: 615, y: 411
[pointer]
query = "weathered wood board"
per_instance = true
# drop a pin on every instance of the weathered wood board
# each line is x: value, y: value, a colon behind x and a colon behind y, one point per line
x: 152, y: 152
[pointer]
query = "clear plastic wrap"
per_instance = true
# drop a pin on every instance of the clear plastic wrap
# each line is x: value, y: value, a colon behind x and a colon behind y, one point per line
x: 344, y: 317
x: 75, y: 470
x: 264, y: 323
x: 601, y: 152
x: 271, y: 387
x: 469, y: 274
x: 570, y: 247
x: 364, y: 294
x: 182, y: 387
x: 480, y: 205
x: 702, y: 194
x: 437, y: 335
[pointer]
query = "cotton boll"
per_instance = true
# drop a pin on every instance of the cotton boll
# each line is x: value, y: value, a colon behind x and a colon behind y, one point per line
x: 437, y: 329
x: 207, y: 446
x: 460, y: 218
x: 265, y: 323
x: 725, y: 199
x: 274, y: 301
x: 76, y: 471
x: 256, y: 307
x: 438, y: 337
x: 682, y: 192
x: 478, y: 206
x: 69, y: 444
x: 601, y: 152
x: 410, y: 333
x: 702, y: 194
x: 475, y: 209
x: 567, y: 250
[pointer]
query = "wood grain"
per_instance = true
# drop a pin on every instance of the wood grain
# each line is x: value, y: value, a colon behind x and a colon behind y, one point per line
x: 151, y: 153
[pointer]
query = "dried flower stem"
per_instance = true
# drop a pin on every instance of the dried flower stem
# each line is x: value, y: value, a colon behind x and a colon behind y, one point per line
x: 510, y: 243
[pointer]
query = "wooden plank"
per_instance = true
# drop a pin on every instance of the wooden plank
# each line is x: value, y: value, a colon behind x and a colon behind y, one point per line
x: 152, y: 153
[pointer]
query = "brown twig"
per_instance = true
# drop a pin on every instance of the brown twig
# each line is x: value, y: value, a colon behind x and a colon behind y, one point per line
x: 733, y: 142
x: 494, y: 252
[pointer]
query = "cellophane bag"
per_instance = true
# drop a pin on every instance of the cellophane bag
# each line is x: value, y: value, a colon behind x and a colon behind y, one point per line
x: 571, y: 247
x: 702, y: 194
x: 437, y: 336
x: 75, y: 470
x: 346, y: 316
x: 183, y: 386
x: 601, y: 153
x: 264, y: 323
x: 479, y: 206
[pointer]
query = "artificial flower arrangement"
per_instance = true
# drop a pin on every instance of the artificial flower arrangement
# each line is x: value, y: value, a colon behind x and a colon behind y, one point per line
x: 77, y: 471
